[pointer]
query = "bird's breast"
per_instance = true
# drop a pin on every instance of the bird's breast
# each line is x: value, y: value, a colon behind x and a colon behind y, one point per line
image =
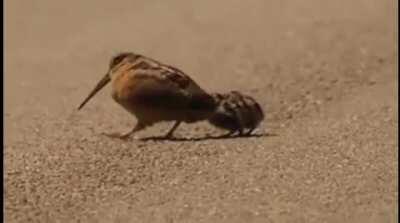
x: 122, y: 86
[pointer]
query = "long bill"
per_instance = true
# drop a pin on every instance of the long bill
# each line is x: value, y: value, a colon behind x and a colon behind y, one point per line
x: 98, y: 87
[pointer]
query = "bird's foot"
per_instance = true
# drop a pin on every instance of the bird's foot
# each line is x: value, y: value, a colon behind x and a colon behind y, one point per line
x: 168, y: 136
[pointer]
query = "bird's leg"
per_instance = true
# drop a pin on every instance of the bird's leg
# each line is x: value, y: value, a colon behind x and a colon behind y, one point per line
x: 171, y: 131
x: 137, y: 127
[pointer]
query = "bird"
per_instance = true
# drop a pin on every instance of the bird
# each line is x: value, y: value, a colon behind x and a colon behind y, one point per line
x: 154, y: 92
x: 236, y: 112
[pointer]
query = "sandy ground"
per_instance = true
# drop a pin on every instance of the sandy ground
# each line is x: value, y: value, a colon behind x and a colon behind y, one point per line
x: 325, y: 72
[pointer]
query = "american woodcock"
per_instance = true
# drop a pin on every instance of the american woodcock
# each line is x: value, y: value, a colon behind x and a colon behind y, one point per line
x: 236, y: 112
x: 154, y: 92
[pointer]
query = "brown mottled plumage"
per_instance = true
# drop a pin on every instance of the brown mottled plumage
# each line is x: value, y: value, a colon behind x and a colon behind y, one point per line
x: 236, y: 112
x: 154, y: 92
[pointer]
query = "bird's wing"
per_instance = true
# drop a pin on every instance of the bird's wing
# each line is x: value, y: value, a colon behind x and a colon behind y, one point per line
x: 167, y: 73
x: 167, y: 87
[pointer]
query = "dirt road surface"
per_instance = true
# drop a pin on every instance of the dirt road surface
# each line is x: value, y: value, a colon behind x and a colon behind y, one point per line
x: 325, y: 72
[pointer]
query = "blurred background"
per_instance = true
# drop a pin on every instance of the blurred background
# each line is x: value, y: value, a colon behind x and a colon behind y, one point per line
x: 325, y: 72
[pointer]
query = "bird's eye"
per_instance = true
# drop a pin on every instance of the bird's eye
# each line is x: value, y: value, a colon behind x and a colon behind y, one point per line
x: 115, y: 61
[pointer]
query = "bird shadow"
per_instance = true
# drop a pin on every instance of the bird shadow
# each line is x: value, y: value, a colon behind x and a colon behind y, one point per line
x: 192, y: 139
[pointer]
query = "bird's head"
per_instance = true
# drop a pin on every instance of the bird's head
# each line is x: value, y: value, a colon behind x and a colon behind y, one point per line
x: 115, y: 62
